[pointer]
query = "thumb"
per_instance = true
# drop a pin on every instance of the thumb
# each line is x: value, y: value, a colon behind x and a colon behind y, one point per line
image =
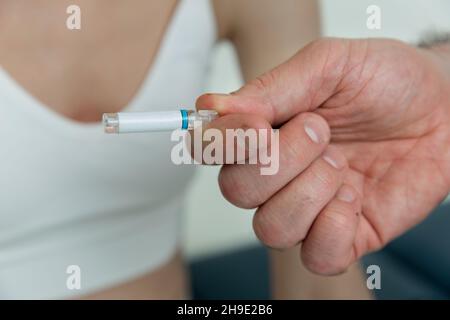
x: 300, y: 84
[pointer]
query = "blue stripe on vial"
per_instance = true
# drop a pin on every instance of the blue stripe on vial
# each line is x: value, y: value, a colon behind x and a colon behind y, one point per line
x: 184, y: 117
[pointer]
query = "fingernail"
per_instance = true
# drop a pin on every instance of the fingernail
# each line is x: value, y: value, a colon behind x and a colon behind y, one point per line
x: 314, y: 131
x: 346, y: 194
x: 334, y: 158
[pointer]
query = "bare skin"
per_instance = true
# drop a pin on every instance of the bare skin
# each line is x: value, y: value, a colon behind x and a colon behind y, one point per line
x: 113, y: 54
x: 291, y: 280
x: 379, y: 158
x: 169, y: 281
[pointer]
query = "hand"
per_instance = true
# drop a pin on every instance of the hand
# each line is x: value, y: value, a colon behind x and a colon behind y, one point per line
x: 364, y: 147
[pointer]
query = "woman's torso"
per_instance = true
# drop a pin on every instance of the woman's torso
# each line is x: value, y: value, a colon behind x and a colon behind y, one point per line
x: 69, y: 188
x: 112, y: 52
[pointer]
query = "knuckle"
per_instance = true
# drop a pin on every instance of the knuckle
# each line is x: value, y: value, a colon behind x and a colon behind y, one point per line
x: 325, y: 267
x: 325, y: 176
x: 308, y: 199
x: 328, y: 43
x: 319, y: 44
x: 265, y: 230
x: 332, y: 54
x: 235, y: 188
x: 262, y: 85
x: 339, y: 218
x: 264, y: 81
x: 293, y: 152
x: 270, y: 230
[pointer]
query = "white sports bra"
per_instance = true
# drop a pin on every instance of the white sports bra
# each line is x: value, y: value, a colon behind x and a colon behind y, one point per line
x: 106, y: 204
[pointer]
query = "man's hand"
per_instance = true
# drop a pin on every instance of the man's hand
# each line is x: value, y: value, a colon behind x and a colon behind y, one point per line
x: 364, y: 147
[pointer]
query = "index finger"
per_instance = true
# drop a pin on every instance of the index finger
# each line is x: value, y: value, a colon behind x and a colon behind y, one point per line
x: 301, y: 84
x: 229, y: 139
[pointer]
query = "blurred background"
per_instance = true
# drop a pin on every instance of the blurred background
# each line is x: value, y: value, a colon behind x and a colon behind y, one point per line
x: 214, y: 227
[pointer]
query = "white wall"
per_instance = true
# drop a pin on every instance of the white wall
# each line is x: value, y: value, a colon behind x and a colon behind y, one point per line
x: 402, y: 19
x: 213, y: 225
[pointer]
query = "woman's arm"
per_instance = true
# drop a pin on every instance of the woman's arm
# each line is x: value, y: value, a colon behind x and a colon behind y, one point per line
x: 266, y: 33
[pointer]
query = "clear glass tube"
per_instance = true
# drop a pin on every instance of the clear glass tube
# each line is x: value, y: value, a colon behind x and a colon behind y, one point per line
x: 111, y: 122
x: 200, y: 117
x: 133, y: 122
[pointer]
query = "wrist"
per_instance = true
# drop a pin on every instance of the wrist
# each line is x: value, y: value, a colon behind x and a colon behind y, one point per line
x: 437, y: 58
x: 438, y: 53
x: 442, y: 52
x: 438, y: 46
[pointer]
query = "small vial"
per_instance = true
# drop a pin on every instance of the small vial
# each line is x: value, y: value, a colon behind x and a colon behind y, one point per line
x: 134, y: 122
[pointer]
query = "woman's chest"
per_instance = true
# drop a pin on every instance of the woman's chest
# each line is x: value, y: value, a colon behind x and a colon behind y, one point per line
x: 81, y: 74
